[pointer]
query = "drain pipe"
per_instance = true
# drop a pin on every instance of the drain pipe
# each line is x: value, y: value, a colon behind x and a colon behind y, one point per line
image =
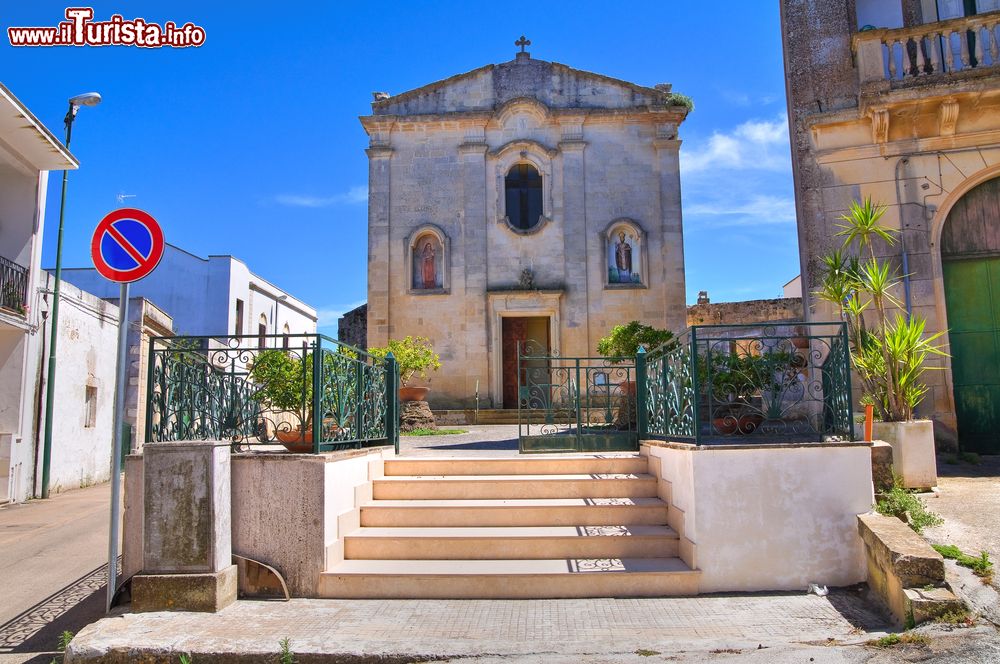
x: 905, y: 159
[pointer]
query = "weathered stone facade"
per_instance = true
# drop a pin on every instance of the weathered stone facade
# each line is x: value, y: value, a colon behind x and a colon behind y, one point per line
x: 916, y: 132
x: 449, y: 261
x: 783, y: 309
x: 352, y: 327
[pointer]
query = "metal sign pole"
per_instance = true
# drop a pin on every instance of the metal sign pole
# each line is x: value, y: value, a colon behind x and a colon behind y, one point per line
x: 116, y: 454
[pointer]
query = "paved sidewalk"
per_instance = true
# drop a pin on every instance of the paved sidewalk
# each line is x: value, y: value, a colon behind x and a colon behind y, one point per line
x: 481, y: 440
x: 409, y: 630
x: 53, y: 556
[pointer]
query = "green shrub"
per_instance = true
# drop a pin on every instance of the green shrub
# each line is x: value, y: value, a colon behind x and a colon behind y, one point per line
x: 903, y: 504
x: 414, y: 355
x: 624, y: 340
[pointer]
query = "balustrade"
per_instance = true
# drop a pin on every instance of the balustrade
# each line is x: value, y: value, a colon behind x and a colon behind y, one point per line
x: 932, y: 49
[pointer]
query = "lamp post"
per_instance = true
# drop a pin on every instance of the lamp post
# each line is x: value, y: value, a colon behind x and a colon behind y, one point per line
x: 86, y: 99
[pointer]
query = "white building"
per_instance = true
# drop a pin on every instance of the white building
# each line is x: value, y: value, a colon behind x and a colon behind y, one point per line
x: 28, y: 150
x: 212, y: 296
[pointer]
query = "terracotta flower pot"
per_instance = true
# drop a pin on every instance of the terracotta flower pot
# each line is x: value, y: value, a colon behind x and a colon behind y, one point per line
x: 725, y: 425
x: 749, y: 423
x: 628, y: 388
x: 295, y: 440
x: 413, y: 393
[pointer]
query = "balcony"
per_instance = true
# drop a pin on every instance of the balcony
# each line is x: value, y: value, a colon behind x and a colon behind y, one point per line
x: 13, y: 286
x: 932, y: 53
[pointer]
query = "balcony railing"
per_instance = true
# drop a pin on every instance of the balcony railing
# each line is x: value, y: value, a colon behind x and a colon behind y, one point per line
x: 927, y: 51
x: 13, y: 286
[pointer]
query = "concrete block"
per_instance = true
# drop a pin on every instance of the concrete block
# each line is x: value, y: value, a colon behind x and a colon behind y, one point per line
x: 881, y: 466
x: 913, y: 451
x: 209, y: 592
x: 187, y: 519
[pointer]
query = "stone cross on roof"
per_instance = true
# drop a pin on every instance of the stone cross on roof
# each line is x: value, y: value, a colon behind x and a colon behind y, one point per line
x: 522, y: 42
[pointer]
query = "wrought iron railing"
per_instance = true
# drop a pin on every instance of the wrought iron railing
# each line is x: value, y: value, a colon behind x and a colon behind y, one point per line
x: 748, y: 383
x: 13, y: 286
x: 575, y: 403
x: 305, y: 391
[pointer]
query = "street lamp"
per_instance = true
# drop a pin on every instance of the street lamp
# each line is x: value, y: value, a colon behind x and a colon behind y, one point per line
x: 86, y: 99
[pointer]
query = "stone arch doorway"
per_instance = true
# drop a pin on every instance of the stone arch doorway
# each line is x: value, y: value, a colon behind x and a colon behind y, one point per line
x: 970, y: 257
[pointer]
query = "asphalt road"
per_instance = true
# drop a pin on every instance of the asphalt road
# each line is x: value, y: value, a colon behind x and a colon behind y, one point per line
x: 52, y: 574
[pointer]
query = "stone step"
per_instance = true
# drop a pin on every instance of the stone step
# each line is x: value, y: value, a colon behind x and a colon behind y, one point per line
x: 467, y: 487
x: 511, y: 543
x: 514, y: 512
x: 509, y: 579
x: 534, y: 465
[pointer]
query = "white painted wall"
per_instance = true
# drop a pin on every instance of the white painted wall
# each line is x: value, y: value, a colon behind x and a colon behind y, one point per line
x: 22, y: 211
x: 87, y: 348
x: 769, y: 518
x: 200, y: 295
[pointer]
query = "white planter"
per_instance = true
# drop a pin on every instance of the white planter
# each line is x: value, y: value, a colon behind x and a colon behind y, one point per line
x: 912, y: 451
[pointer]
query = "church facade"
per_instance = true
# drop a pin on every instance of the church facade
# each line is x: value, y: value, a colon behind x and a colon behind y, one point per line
x: 521, y: 201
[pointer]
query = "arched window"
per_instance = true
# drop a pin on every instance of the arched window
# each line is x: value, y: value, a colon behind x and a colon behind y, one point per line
x: 523, y: 190
x: 262, y: 331
x: 284, y: 337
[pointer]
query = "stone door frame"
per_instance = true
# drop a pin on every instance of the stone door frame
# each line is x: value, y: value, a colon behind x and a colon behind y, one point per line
x: 517, y: 304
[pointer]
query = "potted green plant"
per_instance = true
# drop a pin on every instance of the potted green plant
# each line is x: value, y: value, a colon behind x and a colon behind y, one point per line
x: 888, y: 349
x: 286, y: 383
x: 415, y: 356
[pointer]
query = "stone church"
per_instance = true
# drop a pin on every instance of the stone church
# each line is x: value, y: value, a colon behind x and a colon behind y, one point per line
x: 521, y: 201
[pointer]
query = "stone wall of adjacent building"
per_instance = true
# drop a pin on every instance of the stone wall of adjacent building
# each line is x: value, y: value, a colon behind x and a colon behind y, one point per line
x: 352, y: 327
x: 915, y: 146
x: 782, y: 309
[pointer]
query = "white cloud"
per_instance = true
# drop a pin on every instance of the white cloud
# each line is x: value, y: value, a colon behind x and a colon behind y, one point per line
x: 353, y: 196
x: 755, y: 210
x: 753, y: 145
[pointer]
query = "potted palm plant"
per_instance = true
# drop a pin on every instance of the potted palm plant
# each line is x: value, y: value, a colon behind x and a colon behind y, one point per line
x: 415, y: 356
x: 888, y: 348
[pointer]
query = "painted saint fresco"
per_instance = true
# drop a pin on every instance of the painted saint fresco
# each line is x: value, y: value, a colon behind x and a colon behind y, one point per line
x: 427, y: 258
x: 623, y: 257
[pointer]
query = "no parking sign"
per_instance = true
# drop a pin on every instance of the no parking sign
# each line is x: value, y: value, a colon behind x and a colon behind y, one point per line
x: 127, y: 245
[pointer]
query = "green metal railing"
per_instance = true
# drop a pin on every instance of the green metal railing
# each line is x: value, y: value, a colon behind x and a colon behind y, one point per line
x: 297, y: 389
x: 575, y: 404
x: 748, y: 383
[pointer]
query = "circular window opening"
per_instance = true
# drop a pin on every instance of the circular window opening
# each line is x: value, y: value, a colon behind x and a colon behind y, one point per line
x: 523, y: 189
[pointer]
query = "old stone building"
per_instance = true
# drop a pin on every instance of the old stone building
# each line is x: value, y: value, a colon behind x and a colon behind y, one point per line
x: 900, y: 100
x: 521, y: 201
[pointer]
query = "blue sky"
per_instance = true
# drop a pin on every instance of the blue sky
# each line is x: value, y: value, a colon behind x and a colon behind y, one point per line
x: 250, y: 145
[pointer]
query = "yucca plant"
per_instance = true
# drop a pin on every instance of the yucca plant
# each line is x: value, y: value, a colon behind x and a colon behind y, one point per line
x: 890, y: 353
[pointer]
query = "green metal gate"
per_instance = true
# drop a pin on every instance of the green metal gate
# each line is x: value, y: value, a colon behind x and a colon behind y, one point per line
x: 575, y: 404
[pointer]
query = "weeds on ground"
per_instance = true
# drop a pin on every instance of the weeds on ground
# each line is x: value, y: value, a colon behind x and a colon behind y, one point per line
x: 957, y: 618
x: 286, y: 656
x: 903, y: 504
x: 906, y: 638
x: 951, y: 459
x: 643, y: 652
x: 62, y: 644
x: 432, y: 432
x: 969, y: 457
x: 185, y: 659
x: 981, y: 566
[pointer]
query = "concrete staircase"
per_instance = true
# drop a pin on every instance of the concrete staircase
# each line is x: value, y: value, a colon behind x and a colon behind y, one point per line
x: 490, y: 416
x: 538, y: 527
